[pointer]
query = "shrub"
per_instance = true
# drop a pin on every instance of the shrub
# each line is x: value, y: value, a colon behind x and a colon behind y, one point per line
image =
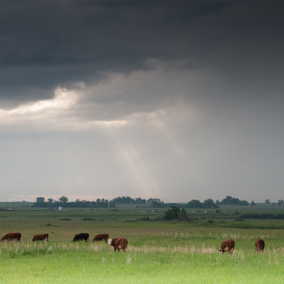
x: 172, y: 213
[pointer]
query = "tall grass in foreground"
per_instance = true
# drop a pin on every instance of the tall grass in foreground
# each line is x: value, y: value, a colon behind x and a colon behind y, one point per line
x: 60, y: 262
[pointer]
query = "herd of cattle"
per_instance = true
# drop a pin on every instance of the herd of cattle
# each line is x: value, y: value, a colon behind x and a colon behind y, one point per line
x: 117, y: 243
x: 121, y: 243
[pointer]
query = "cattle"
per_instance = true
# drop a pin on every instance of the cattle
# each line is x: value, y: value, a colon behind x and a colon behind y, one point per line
x: 101, y: 237
x: 227, y: 244
x: 81, y: 237
x: 11, y: 237
x: 40, y: 237
x: 259, y: 245
x: 118, y: 244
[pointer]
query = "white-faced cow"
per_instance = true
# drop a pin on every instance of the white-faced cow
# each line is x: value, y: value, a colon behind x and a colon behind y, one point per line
x: 227, y: 244
x: 118, y: 244
x: 259, y: 245
x: 40, y: 237
x: 81, y: 237
x: 101, y: 237
x: 11, y: 237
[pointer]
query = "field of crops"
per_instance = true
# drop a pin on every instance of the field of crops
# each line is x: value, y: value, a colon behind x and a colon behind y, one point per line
x: 158, y: 252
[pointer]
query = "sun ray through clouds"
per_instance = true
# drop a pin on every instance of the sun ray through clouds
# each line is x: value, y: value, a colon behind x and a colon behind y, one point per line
x: 132, y: 163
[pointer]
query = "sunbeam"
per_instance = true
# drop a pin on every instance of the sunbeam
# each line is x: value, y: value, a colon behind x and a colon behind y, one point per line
x: 133, y: 165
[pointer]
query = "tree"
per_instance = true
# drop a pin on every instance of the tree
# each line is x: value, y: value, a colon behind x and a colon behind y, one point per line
x: 233, y: 201
x: 227, y: 200
x: 156, y: 204
x: 40, y: 200
x: 50, y: 200
x: 138, y: 200
x: 63, y: 199
x: 252, y: 203
x: 273, y: 204
x: 209, y: 203
x: 267, y: 201
x: 172, y: 213
x: 111, y: 204
x: 150, y: 200
x: 194, y: 204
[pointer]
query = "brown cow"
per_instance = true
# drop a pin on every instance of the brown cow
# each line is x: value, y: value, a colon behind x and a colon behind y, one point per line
x: 40, y: 237
x: 11, y: 237
x: 118, y: 244
x: 227, y: 244
x: 101, y: 237
x: 259, y: 245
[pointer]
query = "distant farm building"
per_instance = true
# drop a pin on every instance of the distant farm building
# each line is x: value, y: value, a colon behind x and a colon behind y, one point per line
x: 49, y: 209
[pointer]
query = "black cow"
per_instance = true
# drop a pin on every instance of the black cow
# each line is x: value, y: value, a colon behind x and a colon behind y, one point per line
x: 81, y: 237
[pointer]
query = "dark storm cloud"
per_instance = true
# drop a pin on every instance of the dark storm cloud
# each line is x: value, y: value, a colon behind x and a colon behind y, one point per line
x: 48, y: 44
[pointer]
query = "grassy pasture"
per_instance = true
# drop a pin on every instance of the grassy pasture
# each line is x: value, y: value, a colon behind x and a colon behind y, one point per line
x: 158, y: 252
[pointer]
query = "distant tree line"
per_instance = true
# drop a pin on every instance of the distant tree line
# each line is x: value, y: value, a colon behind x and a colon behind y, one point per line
x: 129, y: 200
x: 63, y: 201
x: 151, y: 202
x: 209, y: 203
x: 99, y: 203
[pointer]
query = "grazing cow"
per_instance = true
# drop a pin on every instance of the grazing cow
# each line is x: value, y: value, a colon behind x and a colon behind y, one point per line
x: 259, y: 245
x: 40, y: 237
x: 227, y: 244
x: 118, y: 244
x: 11, y: 237
x: 81, y: 237
x: 101, y: 237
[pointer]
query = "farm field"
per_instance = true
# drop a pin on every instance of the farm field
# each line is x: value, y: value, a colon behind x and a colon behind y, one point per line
x: 158, y: 252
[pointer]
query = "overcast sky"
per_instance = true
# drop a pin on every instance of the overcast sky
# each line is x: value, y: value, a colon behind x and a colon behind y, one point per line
x: 173, y: 100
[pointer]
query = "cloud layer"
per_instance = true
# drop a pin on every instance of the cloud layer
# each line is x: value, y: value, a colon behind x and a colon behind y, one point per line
x: 45, y: 45
x: 173, y: 100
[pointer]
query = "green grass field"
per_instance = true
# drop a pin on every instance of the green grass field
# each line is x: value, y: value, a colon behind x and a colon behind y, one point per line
x: 158, y: 252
